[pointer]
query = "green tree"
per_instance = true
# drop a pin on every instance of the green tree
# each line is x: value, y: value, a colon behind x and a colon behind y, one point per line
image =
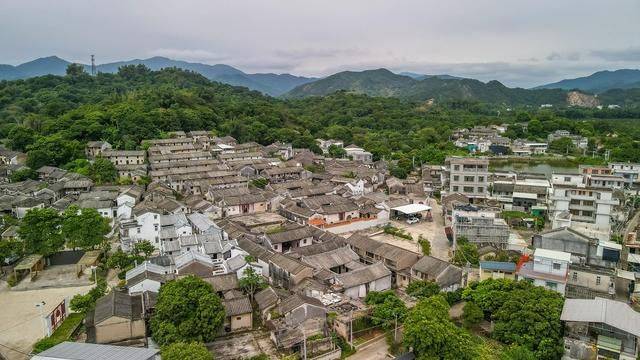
x: 40, y: 232
x: 9, y: 249
x: 432, y: 335
x: 465, y: 252
x: 188, y: 309
x: 20, y: 137
x: 337, y: 151
x: 423, y: 289
x: 516, y: 352
x: 145, y: 248
x: 251, y: 281
x: 562, y: 146
x: 120, y: 260
x: 84, y: 228
x: 425, y: 245
x: 23, y: 174
x: 75, y: 70
x: 472, y: 315
x: 523, y: 314
x: 83, y: 303
x: 387, y: 308
x: 259, y: 182
x: 186, y: 350
x: 102, y: 171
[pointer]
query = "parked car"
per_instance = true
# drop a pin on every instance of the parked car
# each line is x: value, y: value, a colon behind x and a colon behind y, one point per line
x: 412, y: 220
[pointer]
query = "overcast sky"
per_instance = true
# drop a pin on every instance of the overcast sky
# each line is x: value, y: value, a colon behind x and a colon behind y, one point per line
x: 520, y: 43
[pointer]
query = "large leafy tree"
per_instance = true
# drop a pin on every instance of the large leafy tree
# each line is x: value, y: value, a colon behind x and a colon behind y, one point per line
x: 186, y: 350
x: 20, y: 137
x: 144, y: 248
x: 432, y: 335
x: 523, y: 314
x: 472, y: 315
x: 387, y: 308
x: 9, y: 249
x: 251, y: 281
x: 84, y: 228
x: 423, y: 289
x: 188, y: 309
x: 103, y: 171
x: 40, y: 231
x: 465, y: 252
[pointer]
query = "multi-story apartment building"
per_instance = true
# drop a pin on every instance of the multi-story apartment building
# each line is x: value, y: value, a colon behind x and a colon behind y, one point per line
x: 630, y: 171
x: 585, y: 204
x: 467, y: 176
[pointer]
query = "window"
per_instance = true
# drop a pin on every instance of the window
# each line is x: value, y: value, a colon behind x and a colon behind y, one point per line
x: 551, y: 285
x: 574, y: 277
x: 567, y: 179
x: 455, y: 188
x: 598, y: 280
x: 468, y: 189
x: 456, y: 167
x: 480, y: 189
x: 238, y: 318
x: 480, y: 178
x: 138, y: 230
x: 556, y: 266
x: 468, y: 179
x: 456, y: 177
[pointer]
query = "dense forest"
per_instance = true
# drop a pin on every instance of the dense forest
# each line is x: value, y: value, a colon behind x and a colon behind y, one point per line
x: 52, y: 117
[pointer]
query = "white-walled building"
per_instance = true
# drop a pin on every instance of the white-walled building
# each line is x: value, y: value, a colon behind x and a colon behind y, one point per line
x: 585, y: 204
x: 548, y: 268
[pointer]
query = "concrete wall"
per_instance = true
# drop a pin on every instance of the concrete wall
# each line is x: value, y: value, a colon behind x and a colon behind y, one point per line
x: 117, y: 329
x: 240, y: 322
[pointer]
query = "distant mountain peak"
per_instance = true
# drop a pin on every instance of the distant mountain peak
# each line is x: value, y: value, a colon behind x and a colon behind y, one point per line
x: 272, y: 84
x: 600, y: 81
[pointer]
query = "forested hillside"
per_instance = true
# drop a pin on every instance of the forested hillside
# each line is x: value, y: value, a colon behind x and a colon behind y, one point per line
x: 382, y: 82
x: 52, y: 117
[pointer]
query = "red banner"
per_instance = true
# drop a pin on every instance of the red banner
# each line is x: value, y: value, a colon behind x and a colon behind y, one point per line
x: 58, y: 315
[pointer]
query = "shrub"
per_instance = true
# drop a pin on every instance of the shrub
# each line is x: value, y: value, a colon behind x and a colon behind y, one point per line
x: 472, y: 315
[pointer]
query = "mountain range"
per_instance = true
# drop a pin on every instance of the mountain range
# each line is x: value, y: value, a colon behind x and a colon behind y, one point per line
x: 600, y: 81
x: 379, y: 82
x: 268, y: 83
x: 382, y: 82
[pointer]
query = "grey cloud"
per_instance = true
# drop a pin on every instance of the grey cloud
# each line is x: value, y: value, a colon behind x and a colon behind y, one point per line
x: 628, y: 54
x: 570, y: 56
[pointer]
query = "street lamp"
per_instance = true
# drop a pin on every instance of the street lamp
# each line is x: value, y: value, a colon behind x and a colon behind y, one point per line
x: 94, y: 273
x: 40, y: 307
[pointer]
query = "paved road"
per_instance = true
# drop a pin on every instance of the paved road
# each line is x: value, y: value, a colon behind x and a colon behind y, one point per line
x: 20, y: 322
x: 374, y: 351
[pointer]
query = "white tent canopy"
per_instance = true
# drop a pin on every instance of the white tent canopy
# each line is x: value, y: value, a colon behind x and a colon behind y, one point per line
x: 411, y: 208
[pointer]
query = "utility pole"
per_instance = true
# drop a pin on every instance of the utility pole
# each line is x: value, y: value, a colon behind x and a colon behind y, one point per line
x: 395, y: 331
x: 304, y: 345
x: 351, y: 327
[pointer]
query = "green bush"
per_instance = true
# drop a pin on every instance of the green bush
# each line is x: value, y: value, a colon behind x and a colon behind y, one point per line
x: 472, y: 315
x: 12, y: 280
x: 63, y: 333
